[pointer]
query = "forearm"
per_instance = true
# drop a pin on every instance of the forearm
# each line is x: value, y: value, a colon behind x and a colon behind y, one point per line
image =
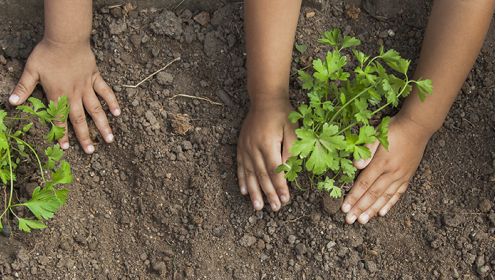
x: 68, y: 22
x: 453, y: 39
x: 270, y: 29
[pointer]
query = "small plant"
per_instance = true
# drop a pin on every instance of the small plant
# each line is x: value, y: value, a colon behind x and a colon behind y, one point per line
x: 326, y: 144
x: 46, y: 200
x: 301, y: 49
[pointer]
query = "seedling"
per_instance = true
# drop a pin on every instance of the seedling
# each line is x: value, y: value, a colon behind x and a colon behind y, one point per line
x: 301, y: 49
x: 326, y: 145
x: 46, y: 200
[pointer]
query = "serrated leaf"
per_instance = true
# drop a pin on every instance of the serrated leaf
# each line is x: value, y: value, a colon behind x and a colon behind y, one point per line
x: 361, y: 57
x: 294, y: 116
x: 296, y: 60
x: 5, y: 176
x: 361, y: 152
x: 322, y: 71
x: 4, y: 144
x: 54, y: 154
x: 330, y: 140
x: 56, y: 132
x: 27, y: 127
x: 301, y: 48
x: 350, y: 42
x: 3, y: 114
x: 326, y: 185
x: 43, y: 204
x: 347, y: 167
x: 336, y: 192
x: 335, y: 61
x: 306, y: 78
x: 27, y: 224
x: 37, y: 104
x: 424, y: 87
x: 382, y: 132
x: 331, y: 37
x: 305, y: 144
x: 61, y: 195
x: 320, y: 160
x: 292, y: 166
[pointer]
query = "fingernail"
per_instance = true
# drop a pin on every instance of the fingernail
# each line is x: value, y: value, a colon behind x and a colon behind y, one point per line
x: 346, y: 208
x: 360, y: 162
x: 283, y: 198
x: 364, y: 218
x: 65, y: 146
x: 243, y: 190
x: 90, y: 149
x: 383, y: 211
x: 14, y: 98
x: 274, y: 206
x: 116, y: 112
x: 109, y: 137
x: 352, y: 219
x: 256, y: 204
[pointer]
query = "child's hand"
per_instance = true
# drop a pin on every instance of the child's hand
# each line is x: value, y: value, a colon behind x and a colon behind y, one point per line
x: 387, y: 175
x: 263, y: 145
x: 69, y: 69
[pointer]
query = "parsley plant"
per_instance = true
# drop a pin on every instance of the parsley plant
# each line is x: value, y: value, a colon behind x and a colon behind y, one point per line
x: 46, y: 200
x: 326, y: 145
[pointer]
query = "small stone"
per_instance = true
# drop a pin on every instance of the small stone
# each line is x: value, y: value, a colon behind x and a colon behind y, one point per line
x: 480, y: 261
x: 135, y: 40
x: 383, y: 34
x: 225, y: 98
x: 301, y: 249
x: 485, y: 205
x: 6, y: 230
x: 202, y: 18
x: 482, y: 270
x: 3, y: 60
x: 291, y: 239
x: 391, y: 33
x: 263, y: 257
x: 441, y: 143
x: 167, y: 23
x: 310, y: 14
x: 474, y: 118
x: 330, y: 245
x: 379, y: 42
x: 116, y: 12
x: 252, y: 220
x: 164, y: 78
x: 371, y: 266
x: 160, y: 267
x: 117, y: 28
x: 143, y: 256
x: 218, y: 231
x: 247, y: 240
x: 189, y: 272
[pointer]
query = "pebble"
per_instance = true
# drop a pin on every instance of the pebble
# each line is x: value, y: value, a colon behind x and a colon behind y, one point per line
x: 160, y: 267
x: 247, y: 240
x: 482, y: 270
x: 485, y: 205
x: 301, y: 249
x: 202, y: 18
x: 3, y: 60
x: 291, y: 239
x: 371, y: 266
x: 164, y: 78
x: 225, y: 98
x: 391, y: 33
x: 143, y: 256
x: 6, y: 230
x: 263, y: 257
x: 330, y: 245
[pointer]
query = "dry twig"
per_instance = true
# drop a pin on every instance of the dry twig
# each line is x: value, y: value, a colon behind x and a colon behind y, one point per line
x: 158, y: 71
x: 195, y: 97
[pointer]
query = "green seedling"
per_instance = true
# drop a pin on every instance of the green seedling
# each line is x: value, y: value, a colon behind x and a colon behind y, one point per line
x: 46, y: 200
x: 301, y: 49
x: 326, y: 145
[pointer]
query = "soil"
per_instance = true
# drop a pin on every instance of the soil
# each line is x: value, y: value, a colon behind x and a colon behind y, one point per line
x: 162, y: 201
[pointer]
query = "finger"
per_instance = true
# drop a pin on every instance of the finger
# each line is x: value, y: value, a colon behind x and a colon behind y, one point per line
x: 273, y: 159
x: 241, y: 173
x: 78, y: 120
x: 373, y: 193
x: 379, y: 204
x: 64, y: 141
x: 289, y: 138
x: 362, y: 184
x: 264, y: 178
x: 93, y: 106
x: 24, y: 87
x: 106, y: 92
x: 252, y: 185
x: 362, y: 163
x: 393, y: 200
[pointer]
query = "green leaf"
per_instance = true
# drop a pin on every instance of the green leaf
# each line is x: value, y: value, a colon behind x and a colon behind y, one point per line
x: 322, y: 71
x: 335, y: 61
x: 296, y: 60
x: 3, y: 114
x: 56, y: 132
x: 292, y: 166
x: 361, y: 152
x: 393, y: 59
x: 320, y: 160
x: 330, y: 140
x: 54, y: 154
x: 294, y: 116
x: 326, y: 185
x: 5, y: 176
x: 382, y: 132
x: 37, y: 104
x: 350, y: 42
x: 347, y: 167
x: 306, y: 78
x: 4, y: 144
x: 330, y: 37
x: 424, y: 86
x: 61, y: 195
x: 43, y: 204
x: 361, y: 57
x: 366, y: 135
x: 307, y: 114
x: 27, y: 224
x: 336, y: 192
x: 301, y: 48
x: 306, y: 143
x: 27, y: 127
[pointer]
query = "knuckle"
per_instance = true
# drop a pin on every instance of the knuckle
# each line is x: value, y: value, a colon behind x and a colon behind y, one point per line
x: 388, y: 196
x: 249, y: 173
x: 364, y: 185
x: 22, y: 89
x: 261, y: 175
x: 374, y: 195
x: 97, y: 110
x: 78, y: 120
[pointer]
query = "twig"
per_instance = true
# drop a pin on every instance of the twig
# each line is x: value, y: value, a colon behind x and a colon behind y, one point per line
x: 195, y: 97
x: 35, y: 245
x: 130, y: 86
x: 291, y: 221
x: 175, y: 255
x: 114, y: 6
x: 179, y: 4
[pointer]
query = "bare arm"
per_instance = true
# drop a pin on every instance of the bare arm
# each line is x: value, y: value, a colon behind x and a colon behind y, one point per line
x: 453, y: 38
x: 64, y: 64
x: 270, y: 30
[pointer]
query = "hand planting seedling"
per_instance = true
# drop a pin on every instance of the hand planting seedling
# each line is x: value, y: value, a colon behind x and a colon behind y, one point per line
x: 326, y: 145
x: 46, y: 200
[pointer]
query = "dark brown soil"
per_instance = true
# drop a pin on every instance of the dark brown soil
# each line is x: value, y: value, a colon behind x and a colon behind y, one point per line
x: 162, y: 201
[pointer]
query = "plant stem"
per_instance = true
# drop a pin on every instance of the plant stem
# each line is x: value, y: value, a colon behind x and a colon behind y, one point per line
x: 34, y: 152
x: 349, y: 102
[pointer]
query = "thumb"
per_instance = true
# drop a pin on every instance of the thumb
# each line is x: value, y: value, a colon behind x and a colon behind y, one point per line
x: 289, y: 137
x: 24, y: 88
x: 362, y: 163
